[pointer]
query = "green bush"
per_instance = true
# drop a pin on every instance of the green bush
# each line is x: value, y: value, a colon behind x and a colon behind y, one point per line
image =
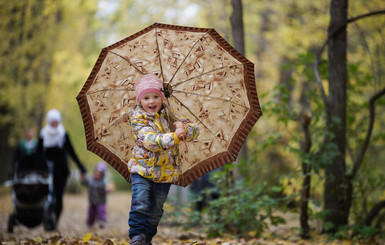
x: 242, y: 209
x: 358, y: 232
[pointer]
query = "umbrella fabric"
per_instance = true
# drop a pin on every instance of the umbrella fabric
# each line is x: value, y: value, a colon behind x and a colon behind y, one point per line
x: 205, y: 80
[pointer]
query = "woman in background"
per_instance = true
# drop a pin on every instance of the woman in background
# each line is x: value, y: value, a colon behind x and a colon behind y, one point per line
x: 55, y: 145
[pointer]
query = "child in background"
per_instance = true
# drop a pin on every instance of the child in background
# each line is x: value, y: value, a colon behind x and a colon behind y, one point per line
x: 155, y: 163
x: 27, y: 145
x: 98, y: 188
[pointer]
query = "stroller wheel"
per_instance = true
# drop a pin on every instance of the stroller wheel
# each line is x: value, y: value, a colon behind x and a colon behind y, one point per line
x: 11, y: 222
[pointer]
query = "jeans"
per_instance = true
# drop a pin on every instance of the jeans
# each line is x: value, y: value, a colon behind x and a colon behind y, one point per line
x: 146, y: 206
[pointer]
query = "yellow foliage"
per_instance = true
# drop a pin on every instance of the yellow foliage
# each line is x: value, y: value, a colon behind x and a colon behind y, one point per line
x: 292, y: 186
x: 382, y: 197
x: 87, y: 237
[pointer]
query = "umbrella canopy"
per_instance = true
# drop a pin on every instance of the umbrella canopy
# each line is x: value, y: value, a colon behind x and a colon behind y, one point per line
x: 205, y: 79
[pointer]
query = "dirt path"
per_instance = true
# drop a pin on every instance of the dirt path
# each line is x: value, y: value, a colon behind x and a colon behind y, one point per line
x: 72, y: 227
x: 72, y: 222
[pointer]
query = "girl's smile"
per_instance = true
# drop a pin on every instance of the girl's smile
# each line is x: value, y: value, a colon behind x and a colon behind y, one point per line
x: 151, y: 102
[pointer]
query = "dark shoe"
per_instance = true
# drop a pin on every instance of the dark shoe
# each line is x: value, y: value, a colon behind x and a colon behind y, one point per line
x: 148, y: 241
x: 139, y: 239
x: 102, y: 225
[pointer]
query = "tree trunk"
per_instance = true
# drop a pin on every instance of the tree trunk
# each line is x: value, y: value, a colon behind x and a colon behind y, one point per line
x: 306, y: 170
x: 5, y: 152
x: 237, y: 26
x: 237, y: 29
x: 30, y: 36
x: 335, y: 193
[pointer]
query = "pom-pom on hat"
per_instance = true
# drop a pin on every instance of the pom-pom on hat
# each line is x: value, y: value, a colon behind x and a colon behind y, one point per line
x: 101, y: 167
x: 148, y: 84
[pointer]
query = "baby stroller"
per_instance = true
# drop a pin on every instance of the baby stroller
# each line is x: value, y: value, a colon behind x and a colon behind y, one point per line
x: 32, y: 193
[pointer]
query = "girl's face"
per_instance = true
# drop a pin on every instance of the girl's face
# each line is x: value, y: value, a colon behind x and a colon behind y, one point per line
x: 151, y: 102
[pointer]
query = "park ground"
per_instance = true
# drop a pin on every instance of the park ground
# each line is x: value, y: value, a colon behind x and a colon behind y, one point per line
x: 73, y: 230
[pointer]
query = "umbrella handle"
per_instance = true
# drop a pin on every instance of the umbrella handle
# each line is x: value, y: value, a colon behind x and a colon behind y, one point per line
x: 185, y: 144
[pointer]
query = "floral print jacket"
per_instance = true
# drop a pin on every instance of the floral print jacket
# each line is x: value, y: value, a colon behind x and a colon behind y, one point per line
x: 156, y: 154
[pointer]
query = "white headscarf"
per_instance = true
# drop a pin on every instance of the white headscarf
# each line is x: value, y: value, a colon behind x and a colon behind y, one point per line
x: 53, y: 136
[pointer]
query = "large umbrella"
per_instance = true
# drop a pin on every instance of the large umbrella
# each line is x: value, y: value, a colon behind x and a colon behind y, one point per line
x: 205, y: 79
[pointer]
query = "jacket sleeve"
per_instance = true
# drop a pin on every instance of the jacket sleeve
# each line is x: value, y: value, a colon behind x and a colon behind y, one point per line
x: 39, y: 148
x: 192, y: 129
x: 17, y: 153
x: 149, y: 138
x: 85, y: 181
x: 16, y: 156
x: 70, y: 150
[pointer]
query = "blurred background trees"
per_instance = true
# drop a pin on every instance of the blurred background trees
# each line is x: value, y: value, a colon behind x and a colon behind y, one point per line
x: 49, y: 48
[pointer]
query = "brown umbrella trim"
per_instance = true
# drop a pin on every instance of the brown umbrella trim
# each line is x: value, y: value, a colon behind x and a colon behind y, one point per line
x: 92, y: 145
x: 87, y: 120
x: 249, y: 77
x: 83, y: 103
x: 153, y: 26
x: 252, y: 116
x: 112, y: 159
x: 204, y: 167
x: 252, y: 88
x: 242, y: 132
x: 93, y: 73
x: 225, y: 45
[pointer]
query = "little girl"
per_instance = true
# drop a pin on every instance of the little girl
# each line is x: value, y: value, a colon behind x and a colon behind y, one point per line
x: 98, y: 187
x: 155, y: 162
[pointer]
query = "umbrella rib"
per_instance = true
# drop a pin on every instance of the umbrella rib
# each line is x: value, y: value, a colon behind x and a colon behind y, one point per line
x: 105, y: 90
x: 120, y: 119
x: 189, y: 52
x: 101, y: 135
x: 157, y: 47
x: 127, y: 61
x: 201, y: 123
x: 210, y: 97
x: 92, y: 143
x: 193, y: 114
x: 214, y: 70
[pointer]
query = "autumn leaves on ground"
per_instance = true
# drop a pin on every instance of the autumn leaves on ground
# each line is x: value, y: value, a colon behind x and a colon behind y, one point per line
x: 73, y: 230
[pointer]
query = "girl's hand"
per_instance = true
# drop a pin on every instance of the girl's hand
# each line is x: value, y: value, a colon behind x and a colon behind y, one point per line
x: 179, y: 130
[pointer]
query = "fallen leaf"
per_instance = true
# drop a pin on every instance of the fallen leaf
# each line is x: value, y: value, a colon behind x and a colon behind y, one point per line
x: 108, y: 242
x: 87, y: 237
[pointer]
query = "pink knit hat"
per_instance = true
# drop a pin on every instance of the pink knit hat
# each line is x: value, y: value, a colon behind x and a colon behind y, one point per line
x: 148, y: 84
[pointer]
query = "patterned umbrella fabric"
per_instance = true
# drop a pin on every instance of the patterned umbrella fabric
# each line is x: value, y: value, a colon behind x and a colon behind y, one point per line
x: 205, y: 79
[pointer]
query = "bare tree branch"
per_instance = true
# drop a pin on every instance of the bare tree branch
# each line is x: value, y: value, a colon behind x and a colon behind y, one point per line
x: 319, y: 53
x: 317, y: 75
x: 372, y: 111
x: 323, y: 94
x: 337, y: 29
x: 373, y: 213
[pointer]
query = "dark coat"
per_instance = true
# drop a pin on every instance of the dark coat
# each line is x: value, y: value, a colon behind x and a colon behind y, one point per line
x: 59, y: 156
